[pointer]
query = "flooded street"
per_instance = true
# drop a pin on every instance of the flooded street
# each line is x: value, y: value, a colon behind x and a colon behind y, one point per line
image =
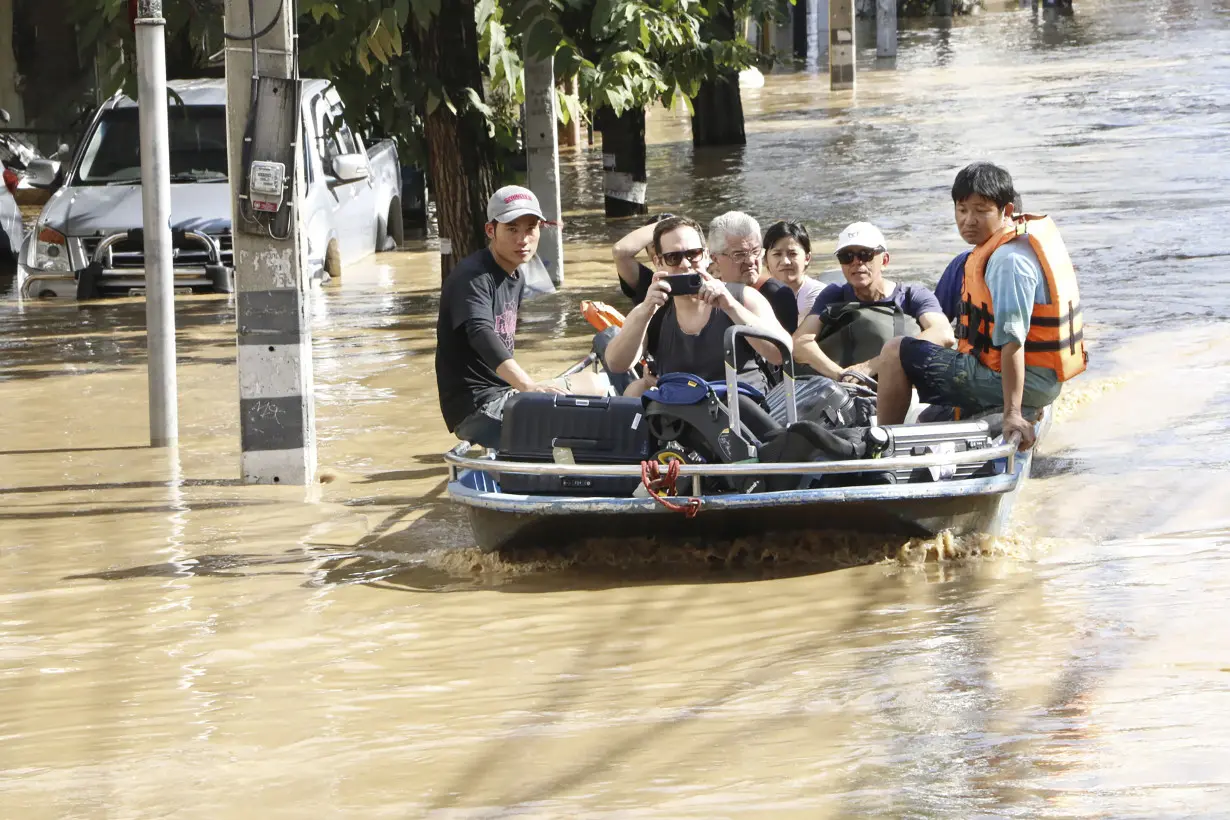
x: 174, y: 643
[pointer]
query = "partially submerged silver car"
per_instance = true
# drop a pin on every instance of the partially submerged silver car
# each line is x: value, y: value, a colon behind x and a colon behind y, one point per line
x: 87, y: 242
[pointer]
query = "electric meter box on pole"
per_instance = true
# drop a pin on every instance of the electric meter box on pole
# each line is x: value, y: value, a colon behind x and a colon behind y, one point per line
x: 266, y: 186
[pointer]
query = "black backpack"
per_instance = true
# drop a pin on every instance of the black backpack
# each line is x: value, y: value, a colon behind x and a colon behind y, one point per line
x: 810, y: 441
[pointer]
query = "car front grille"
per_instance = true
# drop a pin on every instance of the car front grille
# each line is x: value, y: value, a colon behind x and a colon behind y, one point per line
x: 129, y: 254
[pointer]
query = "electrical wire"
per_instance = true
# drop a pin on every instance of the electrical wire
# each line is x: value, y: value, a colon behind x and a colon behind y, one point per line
x: 250, y: 126
x: 256, y: 35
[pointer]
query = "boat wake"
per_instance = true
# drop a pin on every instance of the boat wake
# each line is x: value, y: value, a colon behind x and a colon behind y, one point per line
x: 611, y: 561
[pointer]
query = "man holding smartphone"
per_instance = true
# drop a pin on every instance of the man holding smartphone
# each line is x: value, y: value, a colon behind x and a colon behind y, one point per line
x: 683, y: 332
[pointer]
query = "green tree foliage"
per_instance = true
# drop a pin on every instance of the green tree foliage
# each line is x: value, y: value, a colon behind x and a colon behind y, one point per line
x: 632, y: 53
x: 624, y: 53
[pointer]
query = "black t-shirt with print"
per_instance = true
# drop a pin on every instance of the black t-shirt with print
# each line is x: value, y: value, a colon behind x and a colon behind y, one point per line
x: 474, y: 334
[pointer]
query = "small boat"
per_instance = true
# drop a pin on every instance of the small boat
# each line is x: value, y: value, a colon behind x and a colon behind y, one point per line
x: 955, y: 476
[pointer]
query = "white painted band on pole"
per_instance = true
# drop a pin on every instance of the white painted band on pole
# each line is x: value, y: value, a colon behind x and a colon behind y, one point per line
x: 270, y: 371
x: 621, y: 186
x: 277, y: 466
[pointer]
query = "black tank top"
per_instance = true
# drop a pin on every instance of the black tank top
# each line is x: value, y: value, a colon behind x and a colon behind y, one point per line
x: 674, y: 351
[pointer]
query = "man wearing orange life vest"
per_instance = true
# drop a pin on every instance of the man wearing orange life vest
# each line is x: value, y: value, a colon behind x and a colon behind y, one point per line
x: 1019, y: 330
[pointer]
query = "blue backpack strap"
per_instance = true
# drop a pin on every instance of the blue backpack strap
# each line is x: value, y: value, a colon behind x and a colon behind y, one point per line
x: 678, y: 388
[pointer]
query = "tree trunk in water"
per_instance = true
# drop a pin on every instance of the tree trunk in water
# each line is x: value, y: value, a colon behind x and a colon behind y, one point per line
x: 623, y: 161
x: 718, y: 113
x: 462, y: 160
x: 570, y: 134
x: 717, y: 117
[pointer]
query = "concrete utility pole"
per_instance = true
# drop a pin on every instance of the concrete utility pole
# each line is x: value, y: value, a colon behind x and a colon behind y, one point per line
x: 276, y: 410
x: 841, y: 45
x: 542, y: 159
x: 886, y: 28
x: 156, y: 221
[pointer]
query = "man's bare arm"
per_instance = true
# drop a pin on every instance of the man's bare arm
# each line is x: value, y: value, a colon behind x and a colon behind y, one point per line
x: 1012, y: 361
x: 624, y: 351
x: 625, y: 251
x: 517, y: 378
x: 756, y: 311
x: 808, y: 352
x: 936, y: 329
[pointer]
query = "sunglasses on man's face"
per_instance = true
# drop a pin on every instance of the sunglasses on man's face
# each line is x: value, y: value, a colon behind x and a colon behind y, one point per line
x: 862, y: 255
x: 675, y: 258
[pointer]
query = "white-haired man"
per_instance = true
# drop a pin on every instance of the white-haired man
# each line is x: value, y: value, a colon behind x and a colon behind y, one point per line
x: 734, y: 241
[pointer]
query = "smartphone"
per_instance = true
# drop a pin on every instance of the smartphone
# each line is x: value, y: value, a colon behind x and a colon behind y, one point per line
x: 684, y: 284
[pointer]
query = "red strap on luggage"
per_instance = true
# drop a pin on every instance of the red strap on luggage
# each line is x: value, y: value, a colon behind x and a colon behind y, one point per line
x: 662, y: 487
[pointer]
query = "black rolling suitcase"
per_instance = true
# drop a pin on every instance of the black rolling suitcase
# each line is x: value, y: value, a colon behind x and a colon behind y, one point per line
x: 538, y: 426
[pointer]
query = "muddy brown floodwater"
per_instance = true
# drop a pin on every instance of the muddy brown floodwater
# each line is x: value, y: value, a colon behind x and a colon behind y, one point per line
x: 173, y: 643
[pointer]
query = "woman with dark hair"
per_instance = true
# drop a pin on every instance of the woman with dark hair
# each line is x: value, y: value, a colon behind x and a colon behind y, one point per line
x: 787, y: 255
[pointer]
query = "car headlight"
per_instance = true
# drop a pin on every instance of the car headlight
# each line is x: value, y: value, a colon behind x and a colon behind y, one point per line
x: 51, y: 251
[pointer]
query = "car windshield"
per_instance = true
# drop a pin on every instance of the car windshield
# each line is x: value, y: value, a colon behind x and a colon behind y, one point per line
x: 198, y: 146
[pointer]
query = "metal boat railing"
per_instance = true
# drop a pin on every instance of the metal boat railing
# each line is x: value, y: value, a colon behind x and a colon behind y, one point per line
x: 458, y: 460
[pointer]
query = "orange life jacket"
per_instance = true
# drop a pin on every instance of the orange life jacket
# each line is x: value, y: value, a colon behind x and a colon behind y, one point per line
x: 1056, y: 332
x: 601, y: 315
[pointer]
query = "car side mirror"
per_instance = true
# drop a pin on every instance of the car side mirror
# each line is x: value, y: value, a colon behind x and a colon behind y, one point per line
x: 350, y: 167
x: 43, y: 173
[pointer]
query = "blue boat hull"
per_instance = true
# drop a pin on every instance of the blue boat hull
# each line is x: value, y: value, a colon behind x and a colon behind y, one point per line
x: 502, y: 520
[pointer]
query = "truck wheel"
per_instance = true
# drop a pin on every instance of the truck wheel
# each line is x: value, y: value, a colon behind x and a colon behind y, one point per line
x: 393, y: 233
x: 333, y: 260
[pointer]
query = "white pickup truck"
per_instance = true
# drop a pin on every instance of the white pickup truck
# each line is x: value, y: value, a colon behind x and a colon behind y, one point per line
x: 352, y: 202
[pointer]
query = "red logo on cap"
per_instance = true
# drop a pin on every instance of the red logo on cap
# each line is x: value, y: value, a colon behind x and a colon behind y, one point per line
x: 511, y: 199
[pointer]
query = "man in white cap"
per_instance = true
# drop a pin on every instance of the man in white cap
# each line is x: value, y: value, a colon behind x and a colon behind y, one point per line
x: 850, y: 323
x: 475, y: 369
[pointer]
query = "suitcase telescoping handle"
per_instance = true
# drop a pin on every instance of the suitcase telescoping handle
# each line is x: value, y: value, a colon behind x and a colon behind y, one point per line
x: 584, y: 443
x: 782, y: 343
x: 595, y: 402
